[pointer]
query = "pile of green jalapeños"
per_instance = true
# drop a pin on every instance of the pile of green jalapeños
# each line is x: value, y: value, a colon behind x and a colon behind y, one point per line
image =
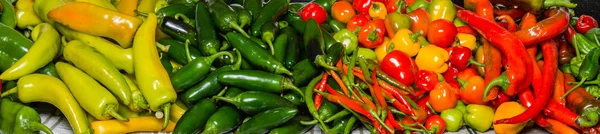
x: 281, y: 67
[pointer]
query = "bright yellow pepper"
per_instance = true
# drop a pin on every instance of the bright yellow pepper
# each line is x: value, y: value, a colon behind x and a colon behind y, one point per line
x: 146, y: 6
x: 127, y: 7
x: 432, y: 58
x: 377, y: 11
x: 404, y: 40
x: 25, y: 14
x: 507, y: 110
x: 382, y: 50
x: 466, y: 40
x: 138, y: 124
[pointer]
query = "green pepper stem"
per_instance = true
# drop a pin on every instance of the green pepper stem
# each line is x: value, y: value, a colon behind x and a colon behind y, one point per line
x: 501, y: 81
x: 211, y: 58
x: 337, y: 115
x: 320, y: 60
x: 288, y: 84
x: 589, y: 118
x: 239, y: 29
x: 597, y: 82
x: 112, y: 112
x: 224, y: 46
x: 187, y: 51
x: 223, y: 92
x: 283, y: 24
x: 162, y: 47
x: 184, y: 18
x: 238, y: 63
x: 562, y: 3
x: 9, y: 92
x: 41, y: 127
x: 462, y: 83
x: 166, y: 108
x: 225, y: 99
x: 268, y: 38
x: 363, y: 66
x: 474, y: 62
x: 575, y: 87
x: 307, y: 123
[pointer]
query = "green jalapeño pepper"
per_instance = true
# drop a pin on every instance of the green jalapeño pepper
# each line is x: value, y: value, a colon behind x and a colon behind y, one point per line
x: 306, y: 71
x: 258, y: 81
x: 20, y: 119
x: 210, y: 85
x: 254, y: 6
x: 295, y: 21
x: 293, y: 47
x: 243, y: 15
x: 280, y: 47
x: 269, y: 30
x: 260, y: 57
x: 193, y: 72
x: 588, y: 69
x: 264, y: 121
x: 8, y: 15
x: 270, y: 12
x: 348, y: 39
x: 254, y: 102
x: 225, y: 119
x: 176, y: 50
x: 14, y: 46
x: 194, y: 119
x: 314, y: 44
x: 174, y: 9
x: 205, y: 28
x: 295, y: 98
x: 178, y: 29
x: 293, y: 126
x: 224, y: 17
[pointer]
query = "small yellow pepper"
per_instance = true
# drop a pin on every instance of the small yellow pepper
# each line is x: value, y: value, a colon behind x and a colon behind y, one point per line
x: 507, y: 110
x: 432, y: 58
x: 138, y: 124
x: 25, y: 14
x: 377, y: 11
x: 405, y: 41
x: 466, y: 40
x: 382, y: 50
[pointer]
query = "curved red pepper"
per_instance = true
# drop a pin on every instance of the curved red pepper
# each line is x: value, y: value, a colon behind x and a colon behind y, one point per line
x: 585, y: 23
x: 315, y: 11
x: 550, y: 51
x: 426, y: 80
x: 321, y: 87
x: 362, y: 6
x: 561, y: 113
x: 526, y: 99
x: 398, y: 66
x: 570, y: 33
x: 518, y: 65
x: 460, y: 57
x: 466, y: 30
x: 513, y: 11
x: 545, y: 29
x: 511, y: 25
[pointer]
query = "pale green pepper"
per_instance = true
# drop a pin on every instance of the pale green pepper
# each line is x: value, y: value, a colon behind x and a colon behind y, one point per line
x: 348, y: 39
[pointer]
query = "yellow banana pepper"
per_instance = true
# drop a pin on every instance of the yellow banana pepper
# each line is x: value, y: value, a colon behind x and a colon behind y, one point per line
x: 101, y: 3
x: 382, y: 50
x: 507, y: 110
x: 147, y: 6
x: 42, y: 7
x: 127, y: 7
x: 432, y: 58
x: 404, y: 40
x: 466, y: 40
x: 25, y: 14
x: 91, y: 19
x: 138, y: 124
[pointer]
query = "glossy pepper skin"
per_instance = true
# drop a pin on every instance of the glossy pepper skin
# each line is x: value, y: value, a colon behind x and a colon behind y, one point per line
x: 314, y: 11
x: 441, y: 9
x: 210, y: 85
x: 18, y: 118
x: 98, y: 67
x: 426, y: 80
x: 545, y: 29
x: 405, y: 41
x: 95, y: 20
x: 137, y: 124
x: 225, y: 119
x: 460, y: 57
x: 262, y: 122
x: 348, y: 39
x: 362, y: 6
x: 479, y: 117
x: 587, y: 71
x: 177, y: 29
x: 16, y: 46
x: 254, y: 102
x: 271, y: 11
x: 372, y: 34
x: 45, y: 48
x: 378, y: 10
x: 261, y: 58
x: 194, y: 119
x: 223, y: 16
x: 399, y: 66
x: 505, y: 110
x: 9, y: 17
x: 432, y: 58
x: 152, y: 78
x: 193, y: 72
x: 453, y: 118
x: 25, y: 14
x: 206, y: 32
x: 255, y: 80
x: 442, y: 97
x: 585, y: 23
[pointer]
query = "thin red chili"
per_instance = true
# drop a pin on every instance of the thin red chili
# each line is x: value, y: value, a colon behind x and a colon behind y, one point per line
x: 570, y: 33
x: 392, y: 120
x: 545, y: 29
x: 518, y: 66
x: 320, y: 87
x: 330, y: 90
x: 550, y: 51
x: 526, y: 99
x: 466, y: 30
x: 403, y: 108
x: 561, y: 113
x: 403, y: 100
x: 377, y: 90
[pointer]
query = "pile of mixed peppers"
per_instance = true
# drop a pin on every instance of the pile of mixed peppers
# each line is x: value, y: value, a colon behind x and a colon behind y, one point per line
x: 254, y: 66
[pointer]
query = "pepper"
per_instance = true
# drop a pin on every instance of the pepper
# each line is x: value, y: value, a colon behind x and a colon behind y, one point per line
x: 594, y: 90
x: 378, y: 11
x: 481, y: 7
x: 588, y: 69
x: 442, y: 97
x: 174, y: 9
x: 585, y: 23
x: 466, y: 40
x: 89, y: 18
x: 306, y: 71
x: 398, y: 66
x: 9, y: 17
x: 196, y: 117
x: 314, y: 45
x: 295, y: 98
x: 223, y: 16
x: 404, y: 40
x: 460, y: 57
x: 209, y: 85
x: 137, y: 124
x: 152, y: 78
x: 193, y: 72
x: 223, y: 120
x: 254, y: 102
x: 127, y: 6
x: 517, y: 66
x: 271, y: 11
x: 254, y: 6
x: 416, y: 4
x: 262, y: 122
x: 177, y: 29
x: 257, y: 81
x: 269, y: 31
x: 396, y: 21
x: 25, y: 16
x: 426, y: 80
x: 18, y: 118
x: 505, y: 110
x: 432, y: 58
x: 535, y: 6
x: 565, y: 52
x: 260, y: 57
x: 48, y: 89
x: 293, y: 126
x: 176, y: 50
x: 315, y: 11
x: 593, y: 34
x: 371, y: 35
x: 583, y: 45
x: 545, y: 29
x: 356, y: 22
x: 453, y: 118
x: 15, y: 47
x: 41, y: 53
x: 348, y: 39
x: 561, y: 113
x: 441, y: 9
x: 292, y: 54
x: 479, y: 117
x: 138, y: 102
x: 205, y: 29
x: 243, y: 15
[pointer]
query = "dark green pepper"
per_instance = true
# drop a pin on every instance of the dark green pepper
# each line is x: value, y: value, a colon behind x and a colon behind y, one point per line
x: 270, y: 12
x: 256, y: 80
x: 223, y: 120
x: 254, y: 102
x: 280, y: 47
x: 293, y: 47
x: 209, y: 86
x: 225, y: 60
x: 194, y: 119
x: 293, y: 126
x: 259, y: 57
x: 594, y: 35
x: 20, y: 119
x: 176, y: 50
x: 174, y: 9
x: 589, y: 68
x: 259, y: 42
x: 264, y: 121
x: 334, y: 52
x: 254, y: 6
x: 14, y: 46
x: 583, y: 44
x: 326, y: 4
x: 183, y: 2
x: 232, y: 92
x: 205, y: 29
x: 305, y: 71
x: 328, y: 109
x: 315, y: 45
x: 295, y: 21
x: 166, y: 62
x: 178, y: 29
x: 224, y: 17
x: 295, y: 98
x: 326, y: 28
x: 9, y: 15
x: 243, y: 15
x: 193, y: 72
x: 336, y: 26
x: 269, y: 30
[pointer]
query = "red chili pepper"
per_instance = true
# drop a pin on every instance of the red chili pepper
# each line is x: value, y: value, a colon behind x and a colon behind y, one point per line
x: 561, y: 113
x: 321, y: 87
x: 492, y: 58
x: 392, y: 120
x: 315, y: 11
x: 500, y: 98
x: 426, y: 80
x: 512, y: 26
x: 460, y: 57
x: 529, y: 20
x: 569, y: 34
x: 396, y: 103
x: 402, y: 100
x: 358, y: 21
x: 362, y: 6
x: 466, y: 29
x: 545, y: 29
x: 513, y: 11
x: 550, y: 51
x: 398, y: 66
x: 377, y: 90
x: 331, y: 90
x: 518, y: 66
x: 585, y: 23
x: 526, y: 98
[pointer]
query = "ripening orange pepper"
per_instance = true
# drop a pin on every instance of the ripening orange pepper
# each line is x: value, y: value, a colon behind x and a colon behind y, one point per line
x: 91, y: 19
x: 137, y: 124
x: 442, y: 97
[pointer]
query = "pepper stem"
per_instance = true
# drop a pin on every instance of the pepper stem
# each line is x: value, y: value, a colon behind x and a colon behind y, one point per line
x: 474, y: 62
x: 112, y: 112
x: 268, y: 38
x: 462, y: 83
x: 162, y: 47
x: 9, y: 92
x: 320, y: 60
x: 373, y: 35
x: 575, y: 87
x: 288, y: 84
x: 577, y: 53
x: 211, y: 58
x: 184, y: 18
x: 501, y: 81
x: 589, y: 118
x: 562, y: 3
x: 239, y: 29
x: 166, y: 109
x: 282, y: 24
x: 238, y: 63
x: 225, y: 99
x: 41, y: 127
x: 338, y: 115
x: 311, y: 122
x: 187, y: 51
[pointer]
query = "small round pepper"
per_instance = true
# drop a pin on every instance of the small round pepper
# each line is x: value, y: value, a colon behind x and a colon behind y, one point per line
x: 405, y: 41
x: 377, y: 10
x: 442, y: 97
x: 315, y: 11
x: 432, y: 58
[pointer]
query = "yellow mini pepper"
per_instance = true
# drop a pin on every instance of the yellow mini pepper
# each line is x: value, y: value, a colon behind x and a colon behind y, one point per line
x: 466, y: 40
x: 432, y: 58
x: 507, y: 110
x: 405, y: 41
x: 382, y: 50
x: 25, y: 14
x: 377, y: 11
